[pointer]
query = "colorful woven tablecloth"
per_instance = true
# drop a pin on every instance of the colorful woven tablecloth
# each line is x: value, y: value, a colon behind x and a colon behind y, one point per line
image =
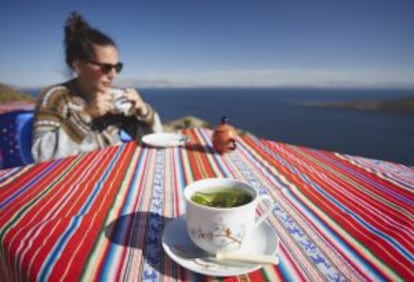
x: 100, y: 216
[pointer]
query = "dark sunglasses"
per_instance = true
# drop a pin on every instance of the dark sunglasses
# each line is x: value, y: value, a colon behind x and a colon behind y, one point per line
x: 106, y: 68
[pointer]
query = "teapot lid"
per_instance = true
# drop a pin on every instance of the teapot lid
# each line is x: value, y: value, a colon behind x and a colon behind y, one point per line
x: 224, y: 120
x: 224, y: 126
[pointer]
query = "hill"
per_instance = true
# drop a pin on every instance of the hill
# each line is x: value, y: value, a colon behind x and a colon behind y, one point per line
x: 8, y: 94
x: 12, y: 99
x: 396, y: 105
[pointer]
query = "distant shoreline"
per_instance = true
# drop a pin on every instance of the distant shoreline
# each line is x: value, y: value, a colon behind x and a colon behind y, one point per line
x: 403, y: 105
x: 13, y: 98
x: 275, y: 114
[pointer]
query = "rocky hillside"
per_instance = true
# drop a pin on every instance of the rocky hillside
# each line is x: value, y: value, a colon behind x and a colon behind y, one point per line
x: 12, y: 99
x: 184, y: 122
x: 8, y: 94
x: 190, y: 122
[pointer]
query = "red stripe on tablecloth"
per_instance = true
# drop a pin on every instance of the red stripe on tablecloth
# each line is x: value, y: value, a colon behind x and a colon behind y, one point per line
x: 92, y: 166
x: 380, y: 246
x: 198, y: 161
x: 65, y: 211
x: 283, y: 169
x: 375, y: 216
x: 370, y: 180
x: 347, y: 193
x: 77, y: 249
x: 22, y: 179
x: 329, y: 166
x: 24, y: 208
x: 309, y: 160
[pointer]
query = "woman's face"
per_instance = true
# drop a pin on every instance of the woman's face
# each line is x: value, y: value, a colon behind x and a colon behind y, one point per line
x: 93, y: 75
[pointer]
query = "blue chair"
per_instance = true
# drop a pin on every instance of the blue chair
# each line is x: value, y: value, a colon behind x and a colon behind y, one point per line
x: 16, y: 138
x: 125, y: 137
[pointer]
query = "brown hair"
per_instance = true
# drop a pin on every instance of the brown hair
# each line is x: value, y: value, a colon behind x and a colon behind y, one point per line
x: 80, y: 39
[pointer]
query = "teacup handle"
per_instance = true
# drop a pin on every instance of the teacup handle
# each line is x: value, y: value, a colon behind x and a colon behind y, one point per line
x: 269, y: 204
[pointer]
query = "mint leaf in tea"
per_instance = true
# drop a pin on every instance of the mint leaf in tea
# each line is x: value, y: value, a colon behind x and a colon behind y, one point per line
x: 222, y: 198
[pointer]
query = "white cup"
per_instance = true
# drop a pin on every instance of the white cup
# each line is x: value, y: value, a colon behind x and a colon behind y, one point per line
x: 223, y: 229
x: 120, y: 103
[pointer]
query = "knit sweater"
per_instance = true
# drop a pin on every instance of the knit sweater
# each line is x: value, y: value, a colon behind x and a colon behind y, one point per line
x: 62, y: 127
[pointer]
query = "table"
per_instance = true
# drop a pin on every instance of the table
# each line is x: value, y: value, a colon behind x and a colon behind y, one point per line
x: 99, y: 216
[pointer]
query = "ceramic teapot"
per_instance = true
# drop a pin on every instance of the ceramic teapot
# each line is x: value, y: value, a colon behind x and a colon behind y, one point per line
x: 224, y: 137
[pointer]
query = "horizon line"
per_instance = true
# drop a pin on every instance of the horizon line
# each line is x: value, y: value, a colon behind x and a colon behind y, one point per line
x: 350, y: 87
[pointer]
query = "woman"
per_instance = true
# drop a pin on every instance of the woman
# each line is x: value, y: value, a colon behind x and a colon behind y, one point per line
x: 79, y: 115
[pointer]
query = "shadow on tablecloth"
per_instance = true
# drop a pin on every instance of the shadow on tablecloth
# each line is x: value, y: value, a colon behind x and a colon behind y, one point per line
x: 143, y: 230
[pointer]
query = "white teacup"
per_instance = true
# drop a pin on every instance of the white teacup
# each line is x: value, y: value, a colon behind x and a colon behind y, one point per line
x: 120, y: 103
x: 223, y: 229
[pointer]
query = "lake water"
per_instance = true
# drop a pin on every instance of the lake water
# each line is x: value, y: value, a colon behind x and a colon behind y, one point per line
x: 278, y: 114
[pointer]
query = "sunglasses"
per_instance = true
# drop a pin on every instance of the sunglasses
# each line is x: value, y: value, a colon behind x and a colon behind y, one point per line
x: 106, y: 68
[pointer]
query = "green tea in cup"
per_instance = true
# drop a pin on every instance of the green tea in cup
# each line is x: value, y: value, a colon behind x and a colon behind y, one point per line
x: 222, y: 197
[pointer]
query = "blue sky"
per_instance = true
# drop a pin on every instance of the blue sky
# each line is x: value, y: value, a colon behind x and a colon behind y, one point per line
x: 332, y: 43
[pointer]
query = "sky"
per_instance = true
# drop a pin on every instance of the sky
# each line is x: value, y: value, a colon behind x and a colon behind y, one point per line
x: 215, y: 43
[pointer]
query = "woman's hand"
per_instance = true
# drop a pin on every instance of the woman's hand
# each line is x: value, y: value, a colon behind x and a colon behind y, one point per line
x: 99, y: 105
x: 137, y: 102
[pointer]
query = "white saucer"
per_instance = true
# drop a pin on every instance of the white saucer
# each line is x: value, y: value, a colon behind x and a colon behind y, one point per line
x: 264, y: 241
x: 164, y: 139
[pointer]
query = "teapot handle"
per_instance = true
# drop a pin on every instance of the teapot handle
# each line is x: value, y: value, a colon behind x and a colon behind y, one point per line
x: 233, y: 144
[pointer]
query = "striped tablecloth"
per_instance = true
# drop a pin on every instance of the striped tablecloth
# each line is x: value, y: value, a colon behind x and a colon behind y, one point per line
x: 100, y: 216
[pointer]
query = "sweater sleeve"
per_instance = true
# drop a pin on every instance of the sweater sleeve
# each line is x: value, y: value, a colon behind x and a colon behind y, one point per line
x: 55, y: 144
x: 55, y: 109
x: 59, y: 126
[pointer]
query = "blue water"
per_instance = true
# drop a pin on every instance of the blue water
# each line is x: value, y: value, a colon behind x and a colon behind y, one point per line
x: 278, y: 114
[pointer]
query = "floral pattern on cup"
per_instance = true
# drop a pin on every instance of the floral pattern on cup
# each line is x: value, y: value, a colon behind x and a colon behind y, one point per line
x: 221, y: 234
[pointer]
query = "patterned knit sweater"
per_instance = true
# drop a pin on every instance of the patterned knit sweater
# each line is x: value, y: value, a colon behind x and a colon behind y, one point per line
x: 63, y: 128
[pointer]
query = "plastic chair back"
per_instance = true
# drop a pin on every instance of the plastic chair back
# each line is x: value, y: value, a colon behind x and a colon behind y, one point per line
x: 16, y: 138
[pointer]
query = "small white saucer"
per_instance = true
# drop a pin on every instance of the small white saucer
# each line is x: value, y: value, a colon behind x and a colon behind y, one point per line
x: 164, y: 139
x: 264, y: 241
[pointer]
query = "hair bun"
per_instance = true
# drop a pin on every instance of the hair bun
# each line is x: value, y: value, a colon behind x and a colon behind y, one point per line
x: 75, y: 26
x: 81, y: 39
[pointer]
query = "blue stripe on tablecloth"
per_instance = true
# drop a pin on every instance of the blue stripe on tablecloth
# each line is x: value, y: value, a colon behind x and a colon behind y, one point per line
x: 9, y: 172
x: 153, y: 247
